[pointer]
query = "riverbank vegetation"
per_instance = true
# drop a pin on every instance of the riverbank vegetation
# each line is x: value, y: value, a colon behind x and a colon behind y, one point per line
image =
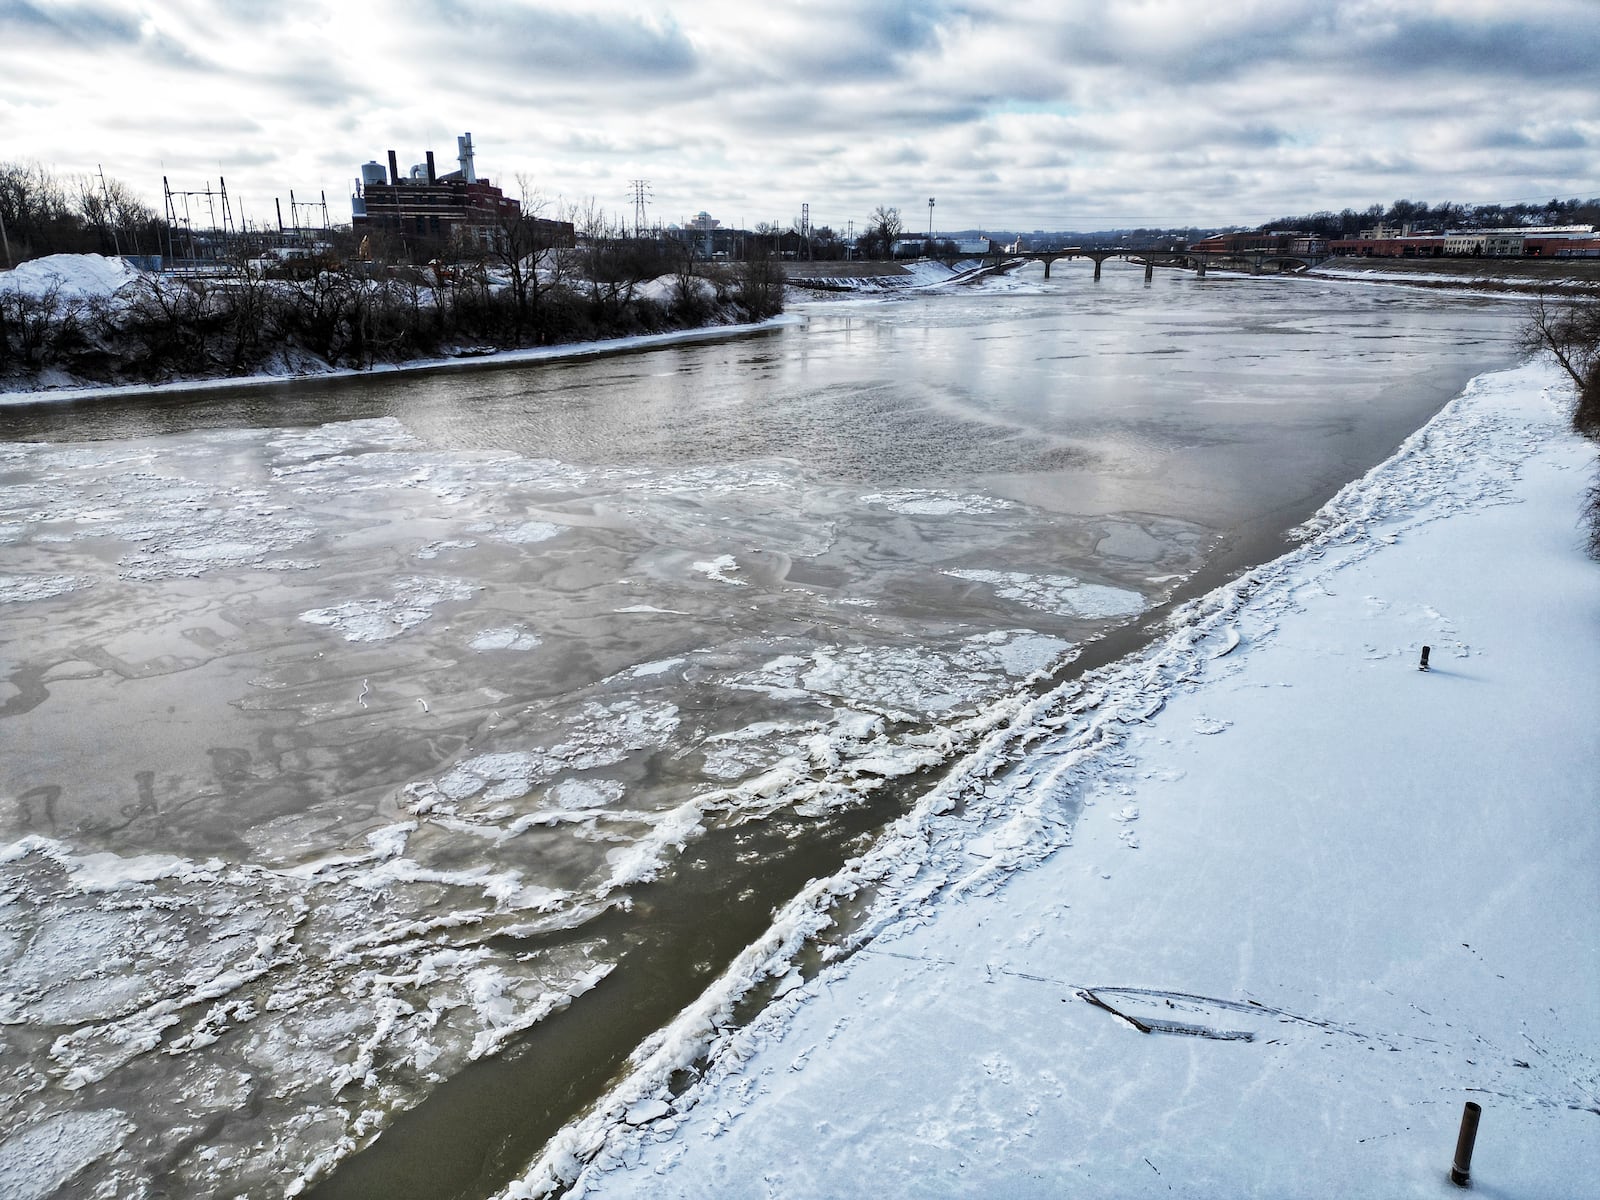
x: 73, y: 312
x: 150, y: 328
x: 1568, y: 329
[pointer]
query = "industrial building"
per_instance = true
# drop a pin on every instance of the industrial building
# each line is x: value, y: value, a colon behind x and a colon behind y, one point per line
x: 425, y: 207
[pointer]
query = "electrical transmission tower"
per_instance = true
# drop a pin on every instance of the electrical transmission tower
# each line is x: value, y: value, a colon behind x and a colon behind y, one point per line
x: 225, y: 231
x: 641, y: 196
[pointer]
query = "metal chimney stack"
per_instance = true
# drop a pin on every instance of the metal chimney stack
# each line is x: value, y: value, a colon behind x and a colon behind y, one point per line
x: 464, y: 157
x: 394, y: 169
x: 432, y: 178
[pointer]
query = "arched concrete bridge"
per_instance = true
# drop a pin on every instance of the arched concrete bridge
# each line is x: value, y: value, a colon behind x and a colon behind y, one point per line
x: 1195, y: 260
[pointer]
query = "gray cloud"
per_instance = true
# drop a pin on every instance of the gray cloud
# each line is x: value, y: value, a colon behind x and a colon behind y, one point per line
x: 1531, y: 46
x: 1183, y: 111
x: 848, y: 41
x: 88, y: 24
x: 549, y: 43
x: 1316, y: 37
x: 97, y: 27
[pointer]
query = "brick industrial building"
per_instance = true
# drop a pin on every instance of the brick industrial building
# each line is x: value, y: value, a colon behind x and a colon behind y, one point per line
x: 424, y: 208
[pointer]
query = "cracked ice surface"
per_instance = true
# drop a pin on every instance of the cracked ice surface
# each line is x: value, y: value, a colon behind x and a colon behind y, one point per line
x: 324, y: 747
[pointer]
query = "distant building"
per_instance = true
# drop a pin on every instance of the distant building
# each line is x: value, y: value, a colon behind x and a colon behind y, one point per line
x: 1269, y: 241
x: 424, y: 206
x: 1567, y: 241
x: 1414, y: 246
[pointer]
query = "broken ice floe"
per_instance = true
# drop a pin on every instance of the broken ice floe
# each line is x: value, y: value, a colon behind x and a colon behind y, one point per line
x: 597, y: 735
x: 434, y: 549
x: 41, y: 1158
x: 519, y: 533
x: 920, y: 680
x: 514, y: 638
x: 379, y: 619
x: 912, y: 502
x: 20, y: 589
x: 718, y: 569
x: 341, y: 437
x: 339, y: 1009
x: 1061, y: 594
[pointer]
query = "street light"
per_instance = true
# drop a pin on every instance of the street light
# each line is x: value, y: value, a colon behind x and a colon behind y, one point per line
x: 930, y: 216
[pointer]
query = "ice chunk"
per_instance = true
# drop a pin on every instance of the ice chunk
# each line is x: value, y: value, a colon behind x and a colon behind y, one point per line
x: 1059, y: 594
x: 35, y: 1162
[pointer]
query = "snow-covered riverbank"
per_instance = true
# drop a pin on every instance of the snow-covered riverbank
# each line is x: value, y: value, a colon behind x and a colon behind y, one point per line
x: 498, y: 358
x: 91, y: 299
x: 1344, y: 896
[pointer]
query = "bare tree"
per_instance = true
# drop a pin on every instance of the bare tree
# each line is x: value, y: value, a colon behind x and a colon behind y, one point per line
x: 760, y: 284
x: 117, y: 217
x: 36, y: 211
x: 883, y: 227
x: 1569, y: 328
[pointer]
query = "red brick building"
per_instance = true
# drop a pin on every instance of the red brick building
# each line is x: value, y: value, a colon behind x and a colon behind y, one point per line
x: 424, y: 207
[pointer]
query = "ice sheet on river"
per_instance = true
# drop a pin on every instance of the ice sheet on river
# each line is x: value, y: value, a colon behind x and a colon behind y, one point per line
x: 323, y: 748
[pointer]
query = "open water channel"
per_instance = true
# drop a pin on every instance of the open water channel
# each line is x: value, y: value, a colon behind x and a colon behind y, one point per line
x: 384, y: 757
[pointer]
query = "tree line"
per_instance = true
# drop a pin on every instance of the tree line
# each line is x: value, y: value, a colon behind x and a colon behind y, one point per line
x: 350, y: 314
x: 347, y: 298
x: 43, y: 213
x: 1449, y: 215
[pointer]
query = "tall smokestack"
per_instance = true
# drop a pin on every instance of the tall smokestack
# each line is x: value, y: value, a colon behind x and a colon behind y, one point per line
x: 394, y: 168
x: 464, y: 157
x: 432, y: 178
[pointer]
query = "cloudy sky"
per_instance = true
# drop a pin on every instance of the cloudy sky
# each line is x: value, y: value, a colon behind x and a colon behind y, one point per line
x: 1013, y: 114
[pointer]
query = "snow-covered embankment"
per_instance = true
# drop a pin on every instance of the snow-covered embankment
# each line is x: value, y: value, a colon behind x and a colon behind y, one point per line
x: 1339, y: 895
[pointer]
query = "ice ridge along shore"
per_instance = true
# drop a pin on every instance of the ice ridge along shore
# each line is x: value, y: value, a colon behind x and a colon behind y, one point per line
x: 1250, y: 913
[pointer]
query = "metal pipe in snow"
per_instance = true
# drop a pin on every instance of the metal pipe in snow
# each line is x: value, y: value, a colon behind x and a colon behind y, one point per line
x: 1461, y: 1168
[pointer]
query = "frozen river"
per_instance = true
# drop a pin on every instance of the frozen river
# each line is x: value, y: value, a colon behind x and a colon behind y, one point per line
x: 417, y: 745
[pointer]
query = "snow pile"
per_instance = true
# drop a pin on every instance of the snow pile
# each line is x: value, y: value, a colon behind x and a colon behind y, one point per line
x: 1291, y: 900
x: 70, y: 277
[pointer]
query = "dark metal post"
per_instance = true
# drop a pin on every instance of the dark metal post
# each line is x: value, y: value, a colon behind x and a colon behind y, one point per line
x: 1423, y: 665
x: 1461, y: 1169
